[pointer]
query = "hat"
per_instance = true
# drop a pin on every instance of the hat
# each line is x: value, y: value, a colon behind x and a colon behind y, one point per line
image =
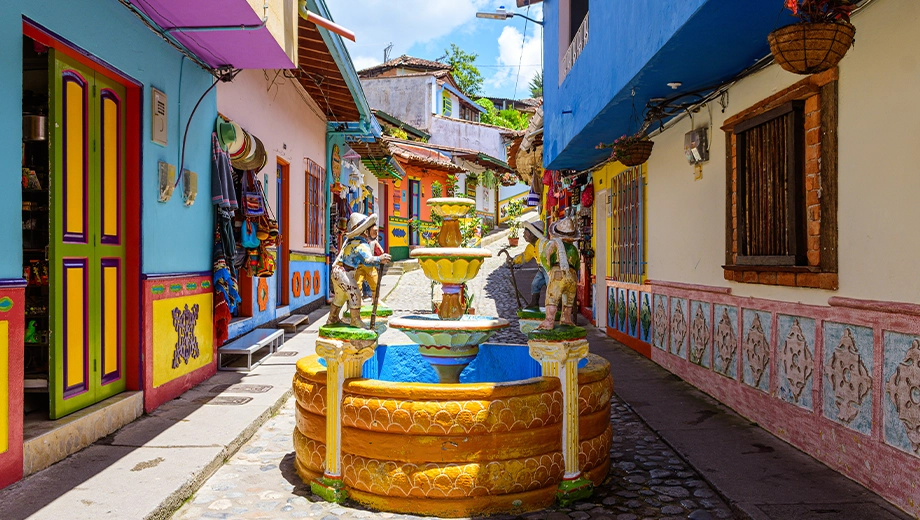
x: 256, y: 159
x: 236, y: 146
x: 564, y: 228
x: 536, y: 228
x: 226, y: 132
x: 358, y: 224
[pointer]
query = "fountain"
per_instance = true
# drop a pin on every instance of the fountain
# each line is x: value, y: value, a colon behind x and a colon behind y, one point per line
x: 493, y: 428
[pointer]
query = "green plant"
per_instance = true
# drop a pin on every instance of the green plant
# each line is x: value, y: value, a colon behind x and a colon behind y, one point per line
x: 536, y: 85
x: 451, y: 185
x: 471, y: 230
x: 465, y: 73
x: 472, y: 179
x: 398, y: 133
x: 508, y: 118
x: 487, y: 179
x: 514, y: 209
x: 436, y: 189
x: 415, y: 224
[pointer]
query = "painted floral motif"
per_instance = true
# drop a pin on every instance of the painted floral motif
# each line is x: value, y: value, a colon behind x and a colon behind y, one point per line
x: 726, y: 343
x: 678, y: 328
x: 611, y: 309
x: 645, y: 316
x: 621, y: 312
x: 849, y: 378
x: 699, y: 336
x: 661, y: 324
x: 185, y: 321
x: 757, y: 350
x: 633, y: 313
x: 904, y: 390
x: 797, y: 360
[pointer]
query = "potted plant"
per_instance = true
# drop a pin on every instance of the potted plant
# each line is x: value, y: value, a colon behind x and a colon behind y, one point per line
x: 514, y: 209
x: 437, y: 190
x: 819, y: 41
x: 508, y: 179
x: 472, y: 180
x: 451, y: 185
x: 630, y: 150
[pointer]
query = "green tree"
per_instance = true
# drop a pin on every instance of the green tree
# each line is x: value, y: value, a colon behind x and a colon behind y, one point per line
x: 465, y: 73
x: 536, y: 85
x: 508, y: 118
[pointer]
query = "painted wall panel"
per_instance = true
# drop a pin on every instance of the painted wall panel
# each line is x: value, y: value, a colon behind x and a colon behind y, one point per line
x: 12, y: 329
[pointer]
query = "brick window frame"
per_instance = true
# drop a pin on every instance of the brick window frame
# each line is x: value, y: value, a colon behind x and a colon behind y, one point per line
x: 819, y: 270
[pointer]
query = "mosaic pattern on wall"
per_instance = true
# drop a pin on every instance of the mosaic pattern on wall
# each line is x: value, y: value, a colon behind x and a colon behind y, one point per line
x: 612, y: 307
x: 795, y: 359
x: 632, y: 313
x: 660, y: 323
x: 645, y: 318
x: 679, y: 327
x: 622, y: 324
x: 848, y: 362
x: 725, y: 341
x: 901, y: 382
x: 700, y: 334
x: 755, y: 346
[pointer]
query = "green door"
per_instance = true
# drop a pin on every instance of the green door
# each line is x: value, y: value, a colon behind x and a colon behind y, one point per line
x: 87, y: 253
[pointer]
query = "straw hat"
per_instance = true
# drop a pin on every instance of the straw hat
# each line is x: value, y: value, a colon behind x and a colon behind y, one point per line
x: 536, y: 228
x: 226, y: 132
x: 564, y: 229
x: 358, y: 224
x: 237, y: 146
x: 255, y: 160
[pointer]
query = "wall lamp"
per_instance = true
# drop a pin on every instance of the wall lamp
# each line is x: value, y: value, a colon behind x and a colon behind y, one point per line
x: 503, y: 14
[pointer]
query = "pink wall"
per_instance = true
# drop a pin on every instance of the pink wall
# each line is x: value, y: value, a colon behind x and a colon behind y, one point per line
x: 290, y: 125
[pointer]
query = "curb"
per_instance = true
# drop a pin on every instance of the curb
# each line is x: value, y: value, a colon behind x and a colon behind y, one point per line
x: 168, y: 507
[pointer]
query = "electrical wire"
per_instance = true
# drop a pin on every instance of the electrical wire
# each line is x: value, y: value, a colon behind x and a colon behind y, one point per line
x: 521, y: 59
x: 226, y: 76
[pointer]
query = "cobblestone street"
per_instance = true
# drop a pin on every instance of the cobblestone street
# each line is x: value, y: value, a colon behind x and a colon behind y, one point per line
x: 648, y: 480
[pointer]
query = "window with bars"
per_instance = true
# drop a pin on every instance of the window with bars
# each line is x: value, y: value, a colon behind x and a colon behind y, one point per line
x: 314, y: 204
x: 770, y: 186
x: 627, y: 226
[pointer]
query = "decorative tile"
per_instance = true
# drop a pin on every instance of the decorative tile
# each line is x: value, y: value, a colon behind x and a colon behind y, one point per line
x: 700, y: 334
x: 660, y: 322
x: 621, y: 311
x: 632, y: 313
x: 902, y: 391
x: 848, y: 361
x: 758, y: 331
x: 725, y: 341
x: 679, y: 327
x: 645, y: 317
x: 612, y: 307
x: 795, y: 359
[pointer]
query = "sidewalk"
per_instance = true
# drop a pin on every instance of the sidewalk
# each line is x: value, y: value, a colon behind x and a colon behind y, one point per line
x: 151, y: 466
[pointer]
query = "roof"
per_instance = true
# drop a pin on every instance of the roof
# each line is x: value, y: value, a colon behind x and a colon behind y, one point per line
x: 387, y: 118
x: 321, y: 76
x: 403, y: 61
x: 415, y: 159
x: 504, y: 131
x: 483, y: 159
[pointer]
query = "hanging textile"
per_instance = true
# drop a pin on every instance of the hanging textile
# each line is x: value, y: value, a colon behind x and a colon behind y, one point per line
x: 223, y: 194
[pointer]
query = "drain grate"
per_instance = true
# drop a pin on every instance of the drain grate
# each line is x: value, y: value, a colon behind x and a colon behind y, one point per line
x: 223, y: 400
x: 286, y: 353
x: 241, y: 388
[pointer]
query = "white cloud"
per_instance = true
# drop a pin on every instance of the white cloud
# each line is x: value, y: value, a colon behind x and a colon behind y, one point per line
x: 511, y: 54
x: 377, y: 23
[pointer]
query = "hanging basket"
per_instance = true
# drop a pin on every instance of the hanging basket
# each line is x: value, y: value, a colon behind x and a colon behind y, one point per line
x: 810, y: 48
x: 635, y: 153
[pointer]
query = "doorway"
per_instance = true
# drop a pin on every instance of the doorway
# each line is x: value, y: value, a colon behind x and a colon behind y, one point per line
x: 282, y: 193
x: 415, y: 203
x: 75, y: 232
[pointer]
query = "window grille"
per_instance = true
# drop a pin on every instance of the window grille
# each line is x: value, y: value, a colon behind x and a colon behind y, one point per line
x: 314, y: 205
x: 627, y: 226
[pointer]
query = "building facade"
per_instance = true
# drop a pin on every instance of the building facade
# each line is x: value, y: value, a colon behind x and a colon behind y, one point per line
x: 812, y: 336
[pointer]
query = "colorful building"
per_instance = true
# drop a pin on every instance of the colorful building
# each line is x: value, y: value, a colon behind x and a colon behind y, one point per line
x: 760, y: 253
x: 106, y: 292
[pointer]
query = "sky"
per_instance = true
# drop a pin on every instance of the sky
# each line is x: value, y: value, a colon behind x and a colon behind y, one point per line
x: 425, y: 28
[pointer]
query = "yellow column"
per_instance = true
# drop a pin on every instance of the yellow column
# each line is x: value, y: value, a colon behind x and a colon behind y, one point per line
x: 344, y: 360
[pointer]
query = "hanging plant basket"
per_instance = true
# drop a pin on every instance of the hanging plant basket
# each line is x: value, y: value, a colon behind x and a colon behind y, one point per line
x: 810, y: 48
x: 633, y: 153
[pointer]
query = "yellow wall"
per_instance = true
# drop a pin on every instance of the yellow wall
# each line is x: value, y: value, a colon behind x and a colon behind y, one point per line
x: 165, y: 337
x: 878, y: 179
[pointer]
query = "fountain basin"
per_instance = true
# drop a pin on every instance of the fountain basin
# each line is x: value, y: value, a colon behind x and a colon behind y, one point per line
x: 450, y: 265
x: 451, y: 207
x: 449, y: 345
x: 457, y: 450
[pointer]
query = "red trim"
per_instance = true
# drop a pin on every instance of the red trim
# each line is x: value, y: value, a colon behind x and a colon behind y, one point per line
x: 284, y: 244
x: 11, y: 460
x: 639, y: 346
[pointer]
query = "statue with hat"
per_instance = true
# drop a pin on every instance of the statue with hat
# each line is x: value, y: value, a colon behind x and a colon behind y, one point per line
x: 533, y: 233
x: 560, y: 259
x: 356, y: 253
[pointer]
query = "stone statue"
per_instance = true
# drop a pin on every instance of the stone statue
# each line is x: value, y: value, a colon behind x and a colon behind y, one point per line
x: 560, y: 259
x: 356, y: 253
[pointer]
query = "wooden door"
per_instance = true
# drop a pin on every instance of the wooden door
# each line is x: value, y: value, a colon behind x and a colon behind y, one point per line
x: 415, y: 203
x: 283, y: 192
x: 87, y: 253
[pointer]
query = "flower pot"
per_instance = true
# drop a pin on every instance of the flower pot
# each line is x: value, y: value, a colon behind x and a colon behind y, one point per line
x: 810, y: 48
x: 513, y: 242
x: 634, y: 154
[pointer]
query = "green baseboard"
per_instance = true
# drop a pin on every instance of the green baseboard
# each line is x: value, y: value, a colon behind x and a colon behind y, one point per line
x: 329, y: 490
x: 399, y: 253
x: 571, y: 491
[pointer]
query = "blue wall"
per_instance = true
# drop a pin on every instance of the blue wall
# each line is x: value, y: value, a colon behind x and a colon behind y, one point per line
x: 623, y: 37
x: 175, y: 238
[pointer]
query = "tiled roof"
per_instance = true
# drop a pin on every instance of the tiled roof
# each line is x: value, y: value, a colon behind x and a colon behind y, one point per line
x: 404, y: 61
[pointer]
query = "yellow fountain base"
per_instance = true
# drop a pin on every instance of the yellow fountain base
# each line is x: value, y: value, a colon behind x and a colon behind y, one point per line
x: 453, y: 450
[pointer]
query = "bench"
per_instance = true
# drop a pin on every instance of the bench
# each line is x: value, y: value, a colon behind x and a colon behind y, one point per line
x: 243, y: 349
x: 293, y: 321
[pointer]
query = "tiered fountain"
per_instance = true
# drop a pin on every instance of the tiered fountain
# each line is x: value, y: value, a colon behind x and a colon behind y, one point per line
x: 450, y: 340
x: 521, y: 427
